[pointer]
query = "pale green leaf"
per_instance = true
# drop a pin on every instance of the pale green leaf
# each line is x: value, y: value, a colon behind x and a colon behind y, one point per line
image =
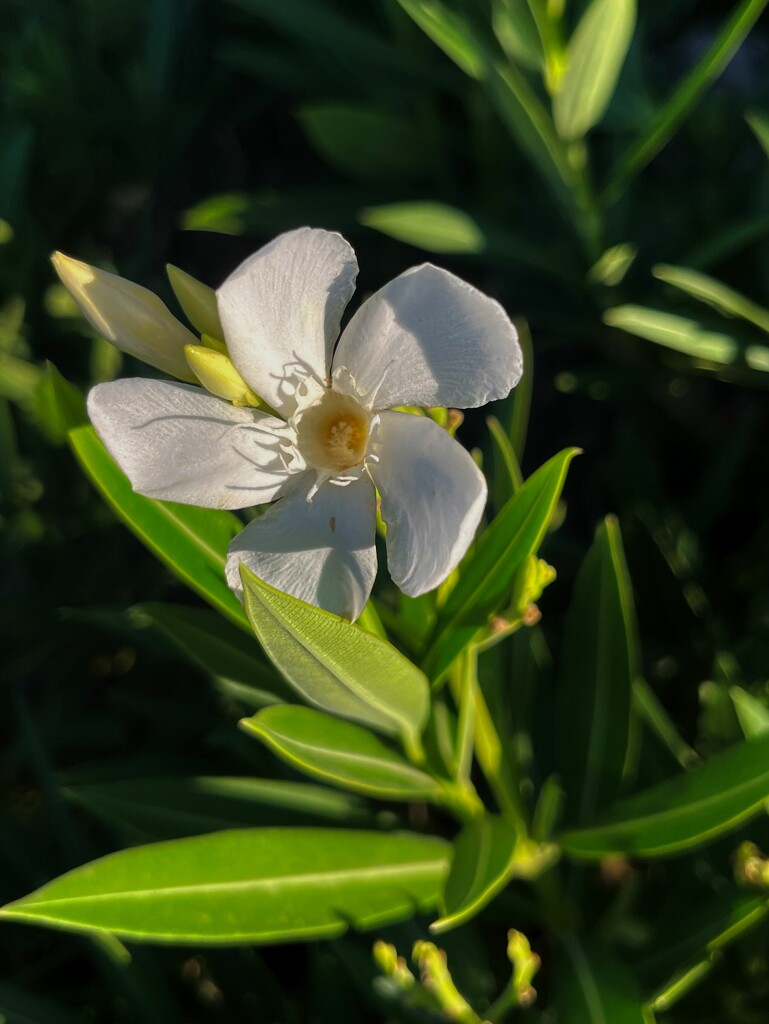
x: 335, y: 665
x: 595, y: 56
x: 245, y: 886
x: 340, y: 753
x: 434, y: 227
x: 752, y: 713
x: 759, y: 124
x: 449, y: 31
x: 716, y: 294
x: 674, y: 332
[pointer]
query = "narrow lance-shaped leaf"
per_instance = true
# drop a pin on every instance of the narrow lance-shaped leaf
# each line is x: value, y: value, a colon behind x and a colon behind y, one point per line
x: 232, y: 658
x: 487, y: 575
x: 672, y: 113
x: 714, y: 293
x: 340, y: 753
x: 435, y: 227
x: 592, y: 986
x: 245, y: 886
x: 191, y: 541
x: 595, y: 57
x: 599, y: 665
x: 174, y: 806
x: 681, y: 812
x: 335, y: 665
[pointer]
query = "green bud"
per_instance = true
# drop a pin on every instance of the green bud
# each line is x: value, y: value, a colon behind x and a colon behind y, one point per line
x: 197, y: 300
x: 216, y: 373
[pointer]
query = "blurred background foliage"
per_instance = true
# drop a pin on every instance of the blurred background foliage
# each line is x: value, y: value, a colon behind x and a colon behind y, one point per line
x: 192, y: 131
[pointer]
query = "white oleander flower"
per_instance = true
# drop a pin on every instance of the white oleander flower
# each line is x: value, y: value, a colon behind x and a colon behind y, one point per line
x: 425, y: 339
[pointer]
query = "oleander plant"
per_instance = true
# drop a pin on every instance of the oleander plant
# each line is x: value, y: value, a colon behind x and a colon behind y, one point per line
x: 384, y: 642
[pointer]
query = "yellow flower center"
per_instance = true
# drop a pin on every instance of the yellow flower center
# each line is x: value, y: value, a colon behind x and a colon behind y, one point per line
x: 332, y: 433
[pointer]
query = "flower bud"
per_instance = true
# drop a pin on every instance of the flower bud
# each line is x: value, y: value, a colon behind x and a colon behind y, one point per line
x: 131, y: 317
x: 197, y: 300
x: 217, y: 374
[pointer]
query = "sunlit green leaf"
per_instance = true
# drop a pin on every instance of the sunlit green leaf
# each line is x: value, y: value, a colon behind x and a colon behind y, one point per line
x: 595, y: 56
x: 431, y: 226
x: 191, y: 541
x: 675, y: 332
x: 340, y: 753
x: 487, y: 576
x: 516, y: 31
x: 752, y: 713
x: 487, y: 854
x: 335, y: 665
x: 759, y: 124
x: 173, y: 807
x: 687, y: 810
x: 450, y: 31
x: 245, y: 886
x: 599, y: 665
x: 714, y: 293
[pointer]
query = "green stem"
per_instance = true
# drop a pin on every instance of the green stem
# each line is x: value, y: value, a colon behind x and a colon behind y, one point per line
x: 495, y: 765
x: 465, y: 672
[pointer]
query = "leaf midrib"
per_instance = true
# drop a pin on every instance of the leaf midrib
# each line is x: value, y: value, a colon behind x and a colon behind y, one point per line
x: 275, y: 882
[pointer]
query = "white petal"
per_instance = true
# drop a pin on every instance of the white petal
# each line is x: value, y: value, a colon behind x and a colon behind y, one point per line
x: 429, y: 338
x: 281, y: 308
x: 432, y: 495
x: 178, y: 443
x: 321, y: 551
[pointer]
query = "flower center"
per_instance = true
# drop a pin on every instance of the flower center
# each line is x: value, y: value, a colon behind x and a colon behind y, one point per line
x: 332, y: 433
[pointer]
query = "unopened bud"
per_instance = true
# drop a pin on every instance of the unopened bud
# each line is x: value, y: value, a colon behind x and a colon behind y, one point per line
x: 197, y: 300
x: 217, y: 374
x: 525, y: 966
x: 750, y: 866
x: 454, y: 420
x: 129, y: 316
x: 393, y: 966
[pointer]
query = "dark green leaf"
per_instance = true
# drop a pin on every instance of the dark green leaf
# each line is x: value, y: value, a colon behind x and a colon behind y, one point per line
x: 599, y: 665
x: 218, y: 648
x: 169, y: 808
x: 684, y: 811
x: 593, y: 986
x: 191, y: 541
